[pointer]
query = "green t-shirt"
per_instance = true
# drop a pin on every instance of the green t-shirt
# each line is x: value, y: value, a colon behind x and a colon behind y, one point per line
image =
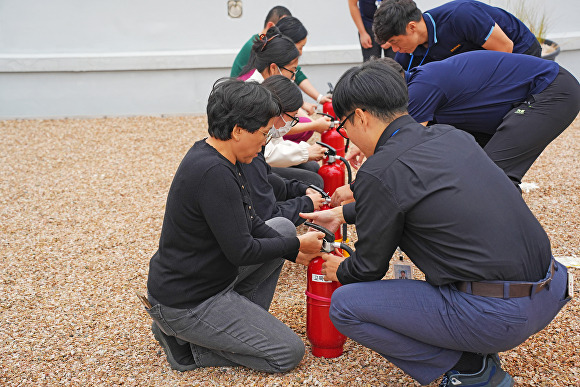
x: 244, y: 56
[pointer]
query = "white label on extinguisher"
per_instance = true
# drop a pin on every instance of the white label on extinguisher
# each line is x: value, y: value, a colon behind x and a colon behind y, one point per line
x: 319, y: 278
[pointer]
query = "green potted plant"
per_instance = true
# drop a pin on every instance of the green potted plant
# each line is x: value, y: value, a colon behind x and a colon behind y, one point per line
x: 537, y: 21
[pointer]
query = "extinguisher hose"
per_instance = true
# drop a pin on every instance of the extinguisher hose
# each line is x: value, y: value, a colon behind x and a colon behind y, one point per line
x: 348, y: 170
x: 346, y: 247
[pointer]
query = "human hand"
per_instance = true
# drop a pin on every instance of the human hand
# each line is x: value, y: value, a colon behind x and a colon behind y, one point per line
x: 317, y: 200
x: 316, y: 152
x: 386, y: 45
x: 365, y: 40
x: 330, y: 266
x: 325, y: 99
x: 304, y: 259
x: 311, y: 242
x: 310, y: 108
x: 340, y: 195
x: 329, y: 219
x: 322, y: 124
x: 354, y: 156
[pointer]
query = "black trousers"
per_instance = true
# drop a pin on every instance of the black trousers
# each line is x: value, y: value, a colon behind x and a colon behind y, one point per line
x: 532, y: 125
x: 376, y: 50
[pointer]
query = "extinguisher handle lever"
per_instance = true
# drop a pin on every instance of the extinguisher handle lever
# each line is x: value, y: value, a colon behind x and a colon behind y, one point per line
x: 324, y: 195
x: 326, y: 115
x: 328, y: 236
x: 331, y: 151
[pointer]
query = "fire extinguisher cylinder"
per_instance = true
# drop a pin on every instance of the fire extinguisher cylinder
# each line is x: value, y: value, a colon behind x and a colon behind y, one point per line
x: 325, y: 339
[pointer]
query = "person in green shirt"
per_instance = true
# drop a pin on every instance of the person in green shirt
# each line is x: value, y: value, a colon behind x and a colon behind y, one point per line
x: 295, y: 30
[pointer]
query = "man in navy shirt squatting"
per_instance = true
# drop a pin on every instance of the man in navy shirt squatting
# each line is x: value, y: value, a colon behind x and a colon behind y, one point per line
x: 452, y: 28
x: 434, y: 192
x: 515, y: 105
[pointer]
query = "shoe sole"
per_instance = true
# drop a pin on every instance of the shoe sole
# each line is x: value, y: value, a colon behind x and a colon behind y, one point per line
x: 170, y: 359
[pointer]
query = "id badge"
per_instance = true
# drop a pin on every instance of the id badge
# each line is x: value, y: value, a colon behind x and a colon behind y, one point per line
x: 402, y: 270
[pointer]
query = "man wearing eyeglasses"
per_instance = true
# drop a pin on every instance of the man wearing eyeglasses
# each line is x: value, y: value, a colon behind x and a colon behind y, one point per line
x: 491, y: 281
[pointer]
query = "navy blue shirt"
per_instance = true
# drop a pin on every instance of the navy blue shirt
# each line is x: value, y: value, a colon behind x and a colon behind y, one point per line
x: 465, y: 25
x: 475, y: 90
x: 435, y: 193
x: 367, y: 11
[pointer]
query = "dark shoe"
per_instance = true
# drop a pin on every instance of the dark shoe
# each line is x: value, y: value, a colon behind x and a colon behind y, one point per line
x: 490, y: 375
x: 179, y: 356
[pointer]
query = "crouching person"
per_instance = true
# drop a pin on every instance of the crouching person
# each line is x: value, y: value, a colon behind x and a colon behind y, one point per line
x: 491, y: 280
x: 214, y: 275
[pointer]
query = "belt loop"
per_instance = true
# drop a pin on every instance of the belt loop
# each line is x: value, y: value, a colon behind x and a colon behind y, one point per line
x: 506, y: 290
x: 468, y: 290
x: 533, y: 291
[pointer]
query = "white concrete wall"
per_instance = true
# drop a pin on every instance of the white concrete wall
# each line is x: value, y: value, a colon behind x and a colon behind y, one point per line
x: 81, y: 58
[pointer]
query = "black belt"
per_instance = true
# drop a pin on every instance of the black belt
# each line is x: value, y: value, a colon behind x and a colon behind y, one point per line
x: 508, y: 289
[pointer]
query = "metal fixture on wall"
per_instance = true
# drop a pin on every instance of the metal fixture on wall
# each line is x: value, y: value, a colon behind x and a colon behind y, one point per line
x: 234, y: 8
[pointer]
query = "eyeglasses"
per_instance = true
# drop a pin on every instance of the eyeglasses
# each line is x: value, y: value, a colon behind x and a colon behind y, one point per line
x: 295, y: 120
x: 267, y: 135
x: 344, y: 122
x: 290, y: 71
x: 263, y: 37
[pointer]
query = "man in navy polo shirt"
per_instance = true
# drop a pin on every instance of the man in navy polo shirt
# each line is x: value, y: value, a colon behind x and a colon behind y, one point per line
x: 514, y: 105
x: 452, y: 28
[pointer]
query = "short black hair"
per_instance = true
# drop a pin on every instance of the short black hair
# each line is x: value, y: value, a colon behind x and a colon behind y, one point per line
x: 373, y: 86
x: 276, y: 14
x: 271, y: 48
x: 233, y: 102
x: 292, y: 28
x: 393, y: 64
x: 392, y: 17
x: 288, y: 94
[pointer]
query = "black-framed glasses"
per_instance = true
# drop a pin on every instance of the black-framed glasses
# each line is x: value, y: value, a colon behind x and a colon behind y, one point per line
x: 341, y: 125
x: 267, y: 135
x: 290, y: 71
x: 295, y: 120
x: 266, y: 40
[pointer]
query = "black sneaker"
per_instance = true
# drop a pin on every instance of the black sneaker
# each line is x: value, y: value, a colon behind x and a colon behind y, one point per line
x: 178, y: 356
x: 490, y: 375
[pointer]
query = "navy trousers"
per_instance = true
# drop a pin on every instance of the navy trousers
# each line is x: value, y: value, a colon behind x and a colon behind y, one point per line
x: 424, y: 329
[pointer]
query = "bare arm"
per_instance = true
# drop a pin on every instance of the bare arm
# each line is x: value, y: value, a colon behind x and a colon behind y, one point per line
x: 365, y: 39
x: 498, y: 41
x: 309, y: 89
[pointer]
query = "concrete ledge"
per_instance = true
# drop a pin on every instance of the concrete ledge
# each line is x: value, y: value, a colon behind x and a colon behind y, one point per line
x: 157, y: 60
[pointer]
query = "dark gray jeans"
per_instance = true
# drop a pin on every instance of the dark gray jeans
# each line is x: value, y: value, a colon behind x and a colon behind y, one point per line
x: 234, y: 327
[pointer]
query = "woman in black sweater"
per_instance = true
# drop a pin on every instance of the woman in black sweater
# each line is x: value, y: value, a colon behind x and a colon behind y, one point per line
x: 273, y: 194
x: 213, y: 277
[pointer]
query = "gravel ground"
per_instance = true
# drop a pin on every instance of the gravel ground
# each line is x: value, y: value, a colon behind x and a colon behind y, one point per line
x: 82, y: 202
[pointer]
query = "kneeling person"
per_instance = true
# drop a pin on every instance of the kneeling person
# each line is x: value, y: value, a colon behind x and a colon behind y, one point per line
x: 433, y: 191
x: 213, y: 277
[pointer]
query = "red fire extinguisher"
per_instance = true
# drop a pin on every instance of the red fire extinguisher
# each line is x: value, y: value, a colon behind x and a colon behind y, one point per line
x: 326, y: 206
x: 332, y: 172
x: 325, y: 339
x: 335, y: 140
x: 331, y: 136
